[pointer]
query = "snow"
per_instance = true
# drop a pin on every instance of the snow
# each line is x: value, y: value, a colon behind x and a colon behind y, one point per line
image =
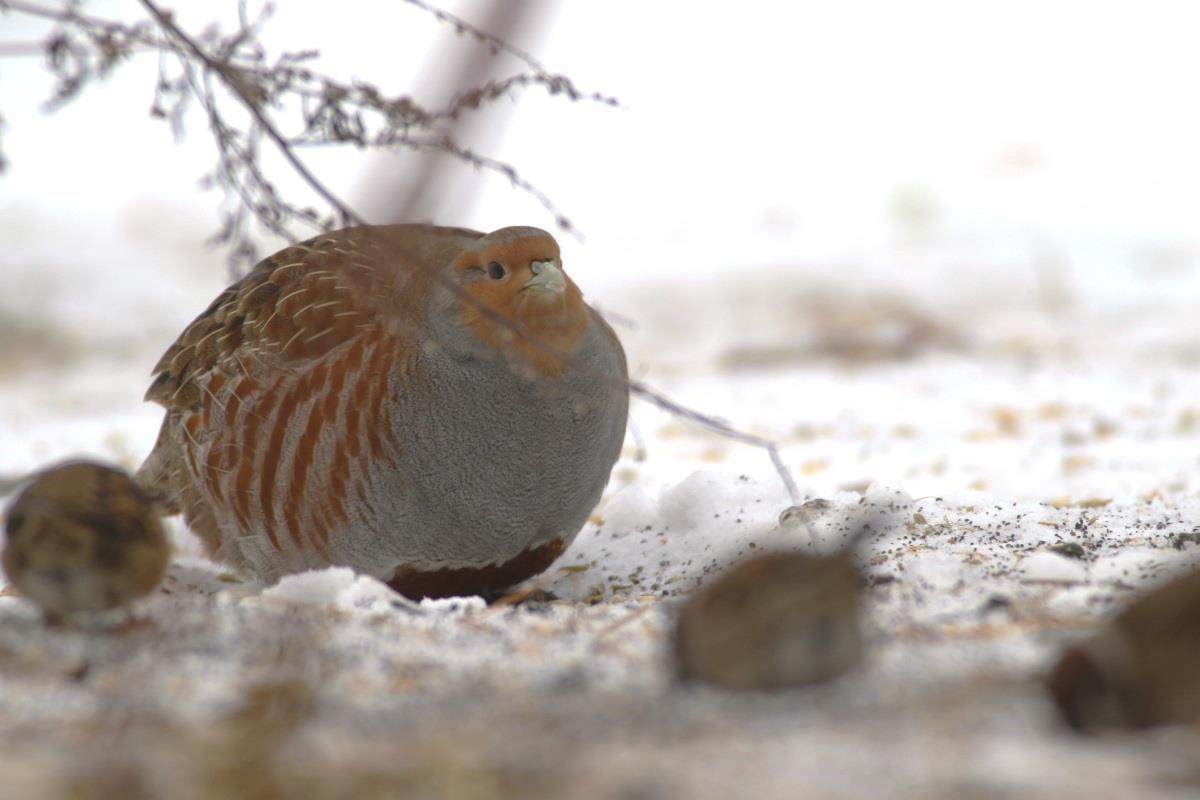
x: 1052, y: 568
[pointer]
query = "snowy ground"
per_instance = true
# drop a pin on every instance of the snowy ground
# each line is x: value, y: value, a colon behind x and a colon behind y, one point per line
x: 1004, y: 435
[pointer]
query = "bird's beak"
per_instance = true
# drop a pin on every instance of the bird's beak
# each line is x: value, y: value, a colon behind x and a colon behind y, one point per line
x: 546, y: 278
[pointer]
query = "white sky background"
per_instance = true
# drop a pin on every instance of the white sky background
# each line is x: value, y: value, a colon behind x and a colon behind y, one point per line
x: 788, y: 135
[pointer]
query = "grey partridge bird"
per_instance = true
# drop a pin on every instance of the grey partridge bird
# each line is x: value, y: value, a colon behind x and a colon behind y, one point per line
x: 1140, y: 669
x: 83, y: 537
x: 436, y: 407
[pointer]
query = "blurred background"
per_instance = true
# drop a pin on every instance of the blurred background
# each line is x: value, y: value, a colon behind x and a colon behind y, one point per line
x: 780, y: 183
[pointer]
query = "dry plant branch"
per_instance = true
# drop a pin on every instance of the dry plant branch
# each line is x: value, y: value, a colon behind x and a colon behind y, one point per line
x: 483, y: 37
x: 310, y: 108
x: 721, y: 428
x: 236, y: 81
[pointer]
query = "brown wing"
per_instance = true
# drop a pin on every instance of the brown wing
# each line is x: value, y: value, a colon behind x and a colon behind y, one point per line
x: 303, y: 302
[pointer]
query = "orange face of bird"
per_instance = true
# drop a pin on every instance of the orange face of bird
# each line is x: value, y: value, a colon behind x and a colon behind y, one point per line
x: 518, y: 299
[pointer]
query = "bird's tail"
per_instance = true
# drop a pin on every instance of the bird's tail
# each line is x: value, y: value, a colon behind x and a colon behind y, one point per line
x: 157, y: 475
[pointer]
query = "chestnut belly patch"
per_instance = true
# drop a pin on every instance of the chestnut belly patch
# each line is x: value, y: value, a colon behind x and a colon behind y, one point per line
x: 450, y: 582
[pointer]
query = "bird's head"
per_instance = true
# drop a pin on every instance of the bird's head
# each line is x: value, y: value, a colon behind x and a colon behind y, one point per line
x: 517, y: 298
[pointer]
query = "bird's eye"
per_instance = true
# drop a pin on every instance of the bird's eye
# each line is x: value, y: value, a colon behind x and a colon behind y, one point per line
x: 495, y: 270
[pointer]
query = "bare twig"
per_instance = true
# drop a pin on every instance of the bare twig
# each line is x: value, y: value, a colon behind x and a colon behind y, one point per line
x: 9, y: 49
x: 464, y: 27
x: 326, y: 111
x: 238, y: 87
x: 446, y: 144
x: 722, y: 428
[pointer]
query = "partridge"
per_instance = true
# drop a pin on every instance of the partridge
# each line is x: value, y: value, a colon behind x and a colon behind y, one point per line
x: 774, y: 621
x: 1140, y: 669
x: 432, y: 406
x: 83, y: 537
